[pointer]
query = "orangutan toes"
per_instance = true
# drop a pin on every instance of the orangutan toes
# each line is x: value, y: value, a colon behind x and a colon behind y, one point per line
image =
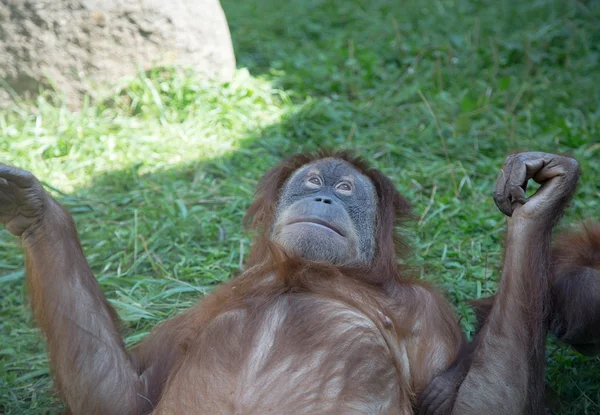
x: 22, y: 199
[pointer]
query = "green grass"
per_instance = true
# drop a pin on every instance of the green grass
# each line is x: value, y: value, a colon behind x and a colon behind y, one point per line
x: 433, y: 92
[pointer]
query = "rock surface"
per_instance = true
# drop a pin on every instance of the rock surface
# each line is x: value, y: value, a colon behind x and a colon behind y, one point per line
x: 77, y: 45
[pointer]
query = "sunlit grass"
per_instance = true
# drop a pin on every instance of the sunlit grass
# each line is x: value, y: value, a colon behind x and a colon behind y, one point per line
x: 155, y: 121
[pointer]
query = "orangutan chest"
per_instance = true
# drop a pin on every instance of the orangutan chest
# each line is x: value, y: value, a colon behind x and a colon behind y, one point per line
x: 296, y: 354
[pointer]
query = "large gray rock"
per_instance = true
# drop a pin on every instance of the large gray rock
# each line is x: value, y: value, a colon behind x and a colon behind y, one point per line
x: 79, y: 45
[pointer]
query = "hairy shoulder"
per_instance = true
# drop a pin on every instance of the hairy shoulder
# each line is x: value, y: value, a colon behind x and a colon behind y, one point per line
x: 432, y: 337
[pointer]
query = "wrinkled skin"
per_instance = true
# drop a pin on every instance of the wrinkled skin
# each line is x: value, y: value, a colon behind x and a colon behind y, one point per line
x: 327, y: 212
x: 557, y: 176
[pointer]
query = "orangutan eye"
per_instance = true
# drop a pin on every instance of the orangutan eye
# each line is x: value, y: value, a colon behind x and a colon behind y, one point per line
x: 314, y: 182
x: 344, y: 188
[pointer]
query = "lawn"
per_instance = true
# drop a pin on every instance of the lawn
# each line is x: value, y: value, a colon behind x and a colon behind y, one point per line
x: 433, y: 92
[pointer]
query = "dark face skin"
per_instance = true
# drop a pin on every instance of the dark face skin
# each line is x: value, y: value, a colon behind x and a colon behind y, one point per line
x: 327, y: 212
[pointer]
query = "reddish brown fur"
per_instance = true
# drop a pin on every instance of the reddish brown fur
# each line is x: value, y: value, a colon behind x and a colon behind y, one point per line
x: 575, y: 317
x: 579, y: 248
x: 408, y: 333
x: 574, y: 308
x: 95, y: 374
